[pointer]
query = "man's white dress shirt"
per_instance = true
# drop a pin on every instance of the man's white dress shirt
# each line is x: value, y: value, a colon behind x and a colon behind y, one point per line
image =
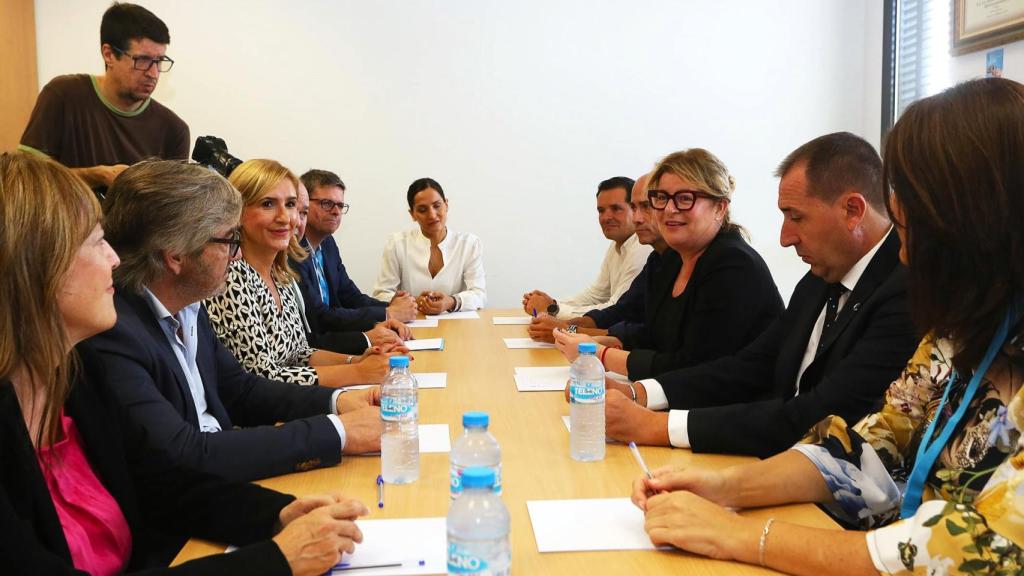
x: 620, y: 266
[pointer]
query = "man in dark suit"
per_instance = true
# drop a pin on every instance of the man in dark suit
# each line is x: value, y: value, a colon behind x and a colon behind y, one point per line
x: 845, y: 336
x: 175, y: 228
x: 333, y: 301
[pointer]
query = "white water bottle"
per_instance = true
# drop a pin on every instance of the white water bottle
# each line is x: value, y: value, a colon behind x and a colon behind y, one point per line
x: 478, y: 528
x: 476, y: 447
x: 400, y: 439
x: 586, y: 405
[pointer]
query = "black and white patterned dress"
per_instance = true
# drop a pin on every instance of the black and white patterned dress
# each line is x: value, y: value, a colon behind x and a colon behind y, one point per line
x: 267, y: 342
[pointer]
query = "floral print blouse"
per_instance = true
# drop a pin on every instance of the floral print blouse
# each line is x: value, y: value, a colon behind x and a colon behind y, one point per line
x: 267, y: 341
x: 971, y: 520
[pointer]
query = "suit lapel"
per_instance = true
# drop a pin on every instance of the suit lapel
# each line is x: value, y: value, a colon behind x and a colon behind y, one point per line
x: 876, y: 273
x: 151, y: 324
x: 662, y: 281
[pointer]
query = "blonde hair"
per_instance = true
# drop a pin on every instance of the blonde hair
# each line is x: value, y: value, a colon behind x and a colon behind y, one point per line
x: 705, y: 171
x: 46, y: 213
x: 254, y: 178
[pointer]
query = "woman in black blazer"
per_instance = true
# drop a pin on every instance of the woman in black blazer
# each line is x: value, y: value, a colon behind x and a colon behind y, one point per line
x: 713, y: 294
x: 70, y: 499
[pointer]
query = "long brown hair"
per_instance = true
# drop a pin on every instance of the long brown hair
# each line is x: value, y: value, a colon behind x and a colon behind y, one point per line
x: 955, y: 163
x: 46, y: 213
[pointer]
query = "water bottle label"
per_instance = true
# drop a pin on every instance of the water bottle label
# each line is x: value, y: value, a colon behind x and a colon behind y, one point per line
x: 455, y: 473
x: 586, y: 392
x: 463, y: 562
x: 395, y: 409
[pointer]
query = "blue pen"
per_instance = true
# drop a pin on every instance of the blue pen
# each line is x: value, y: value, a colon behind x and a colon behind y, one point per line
x: 534, y: 312
x: 380, y: 491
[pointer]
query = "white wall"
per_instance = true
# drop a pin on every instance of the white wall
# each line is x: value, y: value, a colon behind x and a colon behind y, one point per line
x: 518, y: 108
x: 972, y: 65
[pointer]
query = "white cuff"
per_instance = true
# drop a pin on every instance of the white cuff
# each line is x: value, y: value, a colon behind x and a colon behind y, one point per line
x: 339, y: 426
x: 368, y: 344
x: 334, y: 401
x: 678, y: 433
x: 656, y: 399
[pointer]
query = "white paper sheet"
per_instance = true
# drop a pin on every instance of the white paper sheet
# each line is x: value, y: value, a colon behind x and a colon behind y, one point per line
x: 431, y: 379
x: 510, y: 320
x: 525, y: 343
x: 422, y: 540
x: 588, y: 524
x: 425, y: 344
x: 428, y: 322
x: 463, y: 315
x: 541, y: 378
x: 434, y: 438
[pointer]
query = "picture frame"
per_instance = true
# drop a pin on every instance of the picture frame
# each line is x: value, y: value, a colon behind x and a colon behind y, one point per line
x: 981, y: 24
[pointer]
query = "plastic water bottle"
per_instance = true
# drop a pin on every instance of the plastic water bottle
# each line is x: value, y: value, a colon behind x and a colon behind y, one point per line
x: 400, y: 440
x: 478, y: 527
x: 476, y: 447
x: 586, y: 405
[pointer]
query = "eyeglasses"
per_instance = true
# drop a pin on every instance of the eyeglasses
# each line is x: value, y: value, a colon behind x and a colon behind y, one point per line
x: 234, y: 240
x: 683, y: 199
x: 144, y: 63
x: 328, y: 205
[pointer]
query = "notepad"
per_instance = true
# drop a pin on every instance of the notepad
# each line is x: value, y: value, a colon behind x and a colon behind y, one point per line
x: 510, y: 320
x: 525, y: 343
x: 434, y: 438
x: 423, y: 380
x: 425, y: 344
x: 428, y: 322
x: 463, y: 315
x: 541, y: 378
x: 588, y: 524
x: 420, y: 539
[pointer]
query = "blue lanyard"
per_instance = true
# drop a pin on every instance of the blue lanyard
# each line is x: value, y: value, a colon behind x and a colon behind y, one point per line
x: 928, y: 452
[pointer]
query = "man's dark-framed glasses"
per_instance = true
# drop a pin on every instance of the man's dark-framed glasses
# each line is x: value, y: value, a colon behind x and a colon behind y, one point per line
x: 234, y: 240
x: 144, y: 63
x: 683, y: 199
x: 328, y: 205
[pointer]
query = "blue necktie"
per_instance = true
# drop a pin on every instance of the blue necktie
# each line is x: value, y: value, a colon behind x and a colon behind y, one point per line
x: 318, y: 265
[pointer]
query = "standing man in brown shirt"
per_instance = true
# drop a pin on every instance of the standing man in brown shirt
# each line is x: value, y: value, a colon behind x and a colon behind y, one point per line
x: 97, y: 125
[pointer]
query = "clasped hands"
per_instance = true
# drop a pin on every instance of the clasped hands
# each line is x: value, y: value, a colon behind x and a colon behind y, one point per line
x: 316, y: 530
x: 434, y: 303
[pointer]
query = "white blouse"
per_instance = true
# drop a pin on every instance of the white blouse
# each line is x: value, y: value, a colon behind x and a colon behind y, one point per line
x: 407, y: 255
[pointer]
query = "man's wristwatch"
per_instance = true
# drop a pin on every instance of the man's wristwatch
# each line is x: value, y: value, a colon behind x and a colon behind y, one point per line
x: 553, y: 308
x: 571, y: 329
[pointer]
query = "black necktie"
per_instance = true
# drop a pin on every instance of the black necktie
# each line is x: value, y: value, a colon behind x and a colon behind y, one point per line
x: 835, y: 291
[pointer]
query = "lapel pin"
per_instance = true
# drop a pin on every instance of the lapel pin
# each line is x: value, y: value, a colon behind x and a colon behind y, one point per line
x: 856, y: 306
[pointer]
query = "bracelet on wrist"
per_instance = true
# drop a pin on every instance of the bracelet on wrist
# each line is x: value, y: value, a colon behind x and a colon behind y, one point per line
x: 764, y: 541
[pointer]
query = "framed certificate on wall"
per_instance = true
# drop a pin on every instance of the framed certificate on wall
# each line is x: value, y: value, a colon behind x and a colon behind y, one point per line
x: 981, y: 24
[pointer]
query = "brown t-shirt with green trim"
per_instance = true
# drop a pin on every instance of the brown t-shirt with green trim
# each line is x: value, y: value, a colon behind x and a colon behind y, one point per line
x: 75, y: 125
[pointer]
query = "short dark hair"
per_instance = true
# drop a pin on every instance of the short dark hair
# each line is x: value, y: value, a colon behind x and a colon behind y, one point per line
x: 124, y: 22
x: 617, y: 182
x: 420, y: 185
x: 837, y: 162
x: 314, y: 179
x: 953, y: 164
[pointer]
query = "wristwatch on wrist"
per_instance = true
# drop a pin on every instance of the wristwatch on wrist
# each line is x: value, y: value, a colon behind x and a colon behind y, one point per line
x: 553, y: 308
x: 571, y: 329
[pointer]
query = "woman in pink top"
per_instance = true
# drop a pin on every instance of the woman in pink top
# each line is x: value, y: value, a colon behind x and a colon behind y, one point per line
x: 69, y: 499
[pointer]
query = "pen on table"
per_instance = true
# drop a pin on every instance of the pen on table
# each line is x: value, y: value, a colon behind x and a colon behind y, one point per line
x: 534, y: 312
x: 380, y: 491
x: 640, y: 460
x: 343, y: 566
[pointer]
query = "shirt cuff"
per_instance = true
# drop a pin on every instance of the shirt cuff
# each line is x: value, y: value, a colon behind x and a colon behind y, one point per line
x: 334, y: 401
x: 367, y: 338
x: 339, y: 427
x: 656, y: 399
x: 678, y: 433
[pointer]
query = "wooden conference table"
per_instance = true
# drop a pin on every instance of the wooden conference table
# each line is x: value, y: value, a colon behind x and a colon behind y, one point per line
x: 535, y: 458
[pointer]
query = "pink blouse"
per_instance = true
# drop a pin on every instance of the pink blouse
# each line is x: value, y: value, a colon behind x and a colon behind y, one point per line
x: 94, y: 527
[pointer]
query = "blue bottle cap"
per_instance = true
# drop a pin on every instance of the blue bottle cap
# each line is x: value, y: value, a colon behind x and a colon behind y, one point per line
x: 478, y: 478
x: 475, y: 419
x: 588, y: 348
x: 398, y: 361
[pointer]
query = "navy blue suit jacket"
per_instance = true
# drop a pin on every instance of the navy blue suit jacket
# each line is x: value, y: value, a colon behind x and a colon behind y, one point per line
x: 349, y: 309
x: 626, y: 316
x: 145, y: 376
x: 747, y: 403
